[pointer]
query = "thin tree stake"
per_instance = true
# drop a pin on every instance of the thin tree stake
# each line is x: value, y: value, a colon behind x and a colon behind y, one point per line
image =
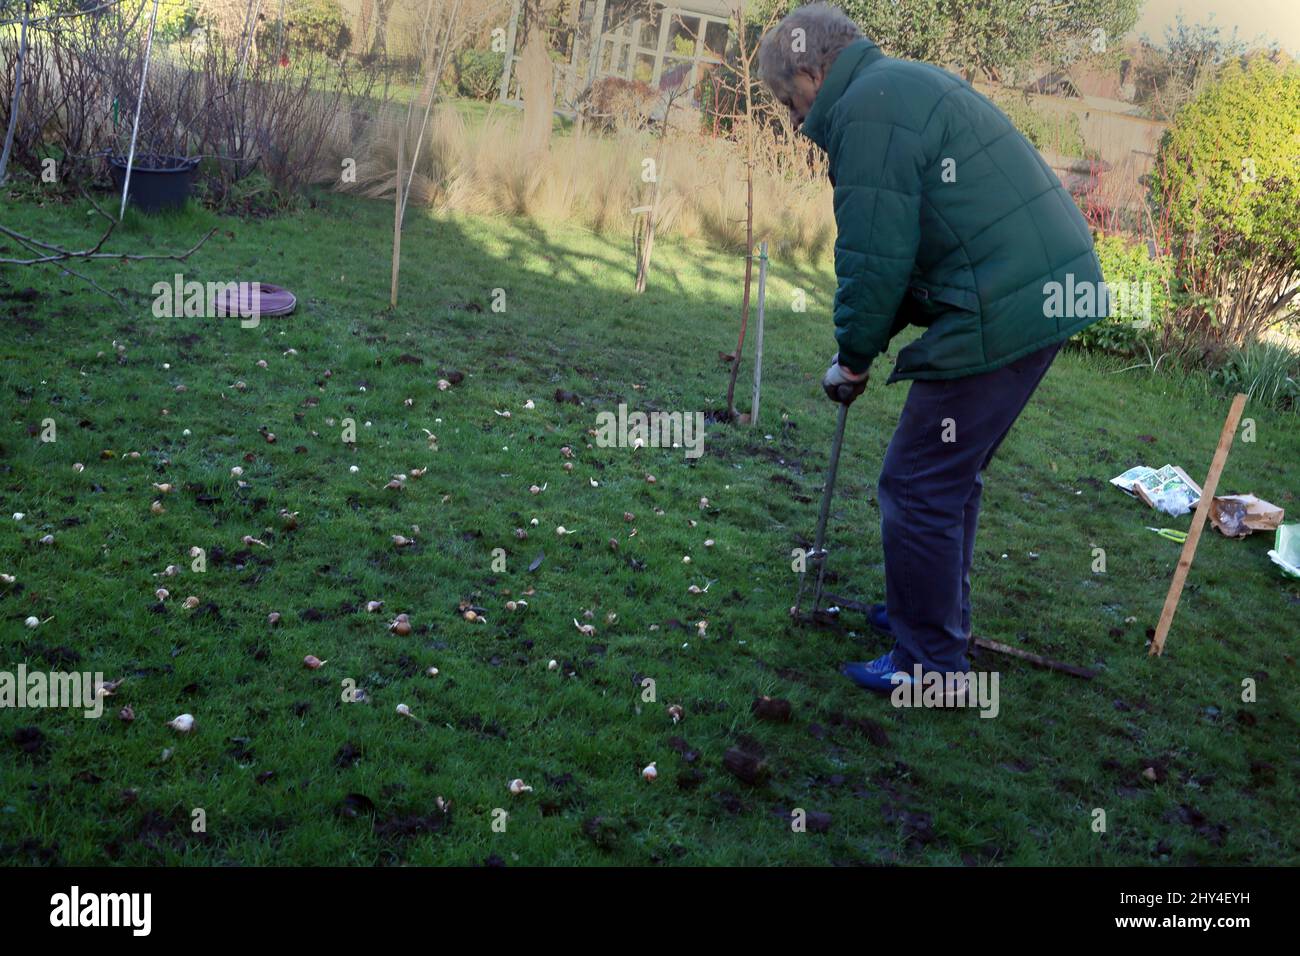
x: 397, y: 214
x: 758, y: 342
x: 139, y: 101
x: 251, y: 23
x: 279, y: 53
x: 18, y: 94
x: 1198, y: 525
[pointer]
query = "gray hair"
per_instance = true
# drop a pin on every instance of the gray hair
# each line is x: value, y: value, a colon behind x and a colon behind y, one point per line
x: 809, y: 38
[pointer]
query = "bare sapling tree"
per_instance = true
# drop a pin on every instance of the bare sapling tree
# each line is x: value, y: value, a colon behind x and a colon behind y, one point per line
x: 643, y: 229
x: 745, y: 61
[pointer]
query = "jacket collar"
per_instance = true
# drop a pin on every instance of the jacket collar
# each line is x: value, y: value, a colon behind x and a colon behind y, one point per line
x: 854, y: 57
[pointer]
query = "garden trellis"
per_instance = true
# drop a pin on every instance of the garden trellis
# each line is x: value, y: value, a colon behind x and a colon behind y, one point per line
x: 654, y: 42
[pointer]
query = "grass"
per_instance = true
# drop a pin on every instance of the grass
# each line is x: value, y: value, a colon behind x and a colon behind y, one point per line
x: 277, y: 753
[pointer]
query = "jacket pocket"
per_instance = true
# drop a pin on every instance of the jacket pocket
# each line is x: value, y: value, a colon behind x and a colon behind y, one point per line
x: 934, y: 298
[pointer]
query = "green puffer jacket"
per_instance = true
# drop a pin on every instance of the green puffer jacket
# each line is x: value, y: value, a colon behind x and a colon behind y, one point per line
x: 948, y: 218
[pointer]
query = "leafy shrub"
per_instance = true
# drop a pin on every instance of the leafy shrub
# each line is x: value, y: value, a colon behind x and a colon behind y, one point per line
x: 1227, y: 182
x: 315, y: 25
x: 987, y: 38
x: 1269, y: 373
x: 1140, y: 298
x: 1043, y: 128
x: 478, y: 73
x: 176, y: 18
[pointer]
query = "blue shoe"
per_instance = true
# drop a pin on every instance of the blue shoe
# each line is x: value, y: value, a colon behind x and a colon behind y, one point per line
x: 878, y: 618
x: 880, y: 675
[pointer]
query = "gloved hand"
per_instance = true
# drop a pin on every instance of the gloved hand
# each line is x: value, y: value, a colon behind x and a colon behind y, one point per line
x: 841, y: 385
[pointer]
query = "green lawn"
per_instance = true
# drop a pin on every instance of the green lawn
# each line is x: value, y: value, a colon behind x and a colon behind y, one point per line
x: 287, y: 773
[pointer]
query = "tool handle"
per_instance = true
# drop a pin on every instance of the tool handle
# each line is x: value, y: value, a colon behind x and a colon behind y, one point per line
x: 819, y: 540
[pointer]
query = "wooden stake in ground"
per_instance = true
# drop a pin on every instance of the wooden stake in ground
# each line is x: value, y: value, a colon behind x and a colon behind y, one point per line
x: 397, y: 214
x: 758, y: 342
x: 1198, y: 524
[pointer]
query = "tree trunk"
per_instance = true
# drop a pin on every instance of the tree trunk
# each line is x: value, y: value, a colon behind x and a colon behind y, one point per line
x: 537, y: 85
x: 379, y: 45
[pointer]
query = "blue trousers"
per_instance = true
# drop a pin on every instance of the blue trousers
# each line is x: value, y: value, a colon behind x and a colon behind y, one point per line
x: 929, y: 494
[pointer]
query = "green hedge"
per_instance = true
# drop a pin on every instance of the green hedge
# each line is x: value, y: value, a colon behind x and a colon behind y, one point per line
x: 478, y: 73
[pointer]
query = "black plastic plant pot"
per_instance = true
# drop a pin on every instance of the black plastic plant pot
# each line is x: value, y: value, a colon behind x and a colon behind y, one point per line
x: 158, y: 183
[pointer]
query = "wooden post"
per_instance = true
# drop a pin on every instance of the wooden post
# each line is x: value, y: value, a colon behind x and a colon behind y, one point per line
x: 758, y: 345
x: 661, y: 46
x: 648, y: 240
x: 632, y: 34
x: 700, y: 25
x: 597, y: 41
x: 511, y: 33
x: 571, y: 70
x: 397, y: 213
x: 1198, y: 524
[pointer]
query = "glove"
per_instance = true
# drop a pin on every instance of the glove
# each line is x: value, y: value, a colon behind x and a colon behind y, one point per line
x: 839, y: 386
